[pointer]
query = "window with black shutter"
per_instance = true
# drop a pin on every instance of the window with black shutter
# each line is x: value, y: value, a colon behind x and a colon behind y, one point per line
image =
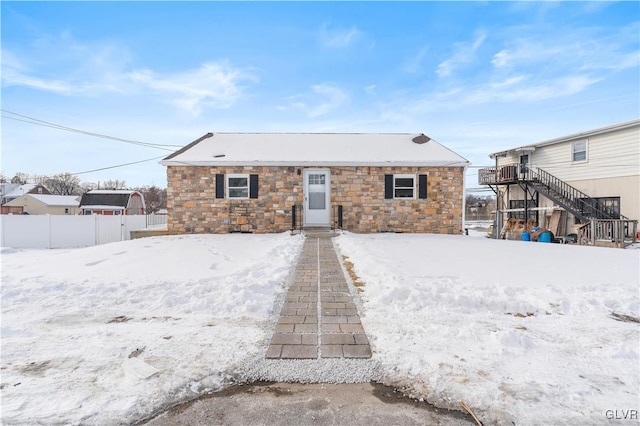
x: 219, y: 186
x: 253, y: 186
x: 422, y: 186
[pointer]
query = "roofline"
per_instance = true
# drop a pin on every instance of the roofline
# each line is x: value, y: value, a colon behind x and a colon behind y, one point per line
x: 189, y: 146
x: 581, y: 135
x: 311, y: 133
x: 318, y: 163
x: 112, y: 191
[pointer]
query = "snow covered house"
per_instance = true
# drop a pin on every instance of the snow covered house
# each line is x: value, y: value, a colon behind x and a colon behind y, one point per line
x: 11, y: 191
x: 112, y: 202
x: 46, y: 204
x: 586, y: 184
x: 273, y: 182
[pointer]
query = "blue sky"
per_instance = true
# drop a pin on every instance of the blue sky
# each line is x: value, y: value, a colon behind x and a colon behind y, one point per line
x: 476, y: 76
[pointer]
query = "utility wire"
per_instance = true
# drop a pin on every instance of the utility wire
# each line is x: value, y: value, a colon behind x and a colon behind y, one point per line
x: 36, y: 121
x: 118, y: 165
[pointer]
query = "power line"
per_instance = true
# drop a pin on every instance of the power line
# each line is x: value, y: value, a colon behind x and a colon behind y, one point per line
x: 118, y: 165
x: 36, y: 121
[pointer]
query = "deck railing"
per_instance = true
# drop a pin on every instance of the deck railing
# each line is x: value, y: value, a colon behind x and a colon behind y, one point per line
x: 618, y: 232
x: 574, y: 200
x: 581, y: 204
x: 503, y: 174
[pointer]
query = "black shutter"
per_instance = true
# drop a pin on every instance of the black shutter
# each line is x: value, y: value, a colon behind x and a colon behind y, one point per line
x: 422, y: 186
x: 388, y: 187
x: 220, y: 186
x: 253, y: 186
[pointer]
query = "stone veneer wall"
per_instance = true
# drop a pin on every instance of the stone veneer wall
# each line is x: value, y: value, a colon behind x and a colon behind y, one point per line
x: 193, y: 208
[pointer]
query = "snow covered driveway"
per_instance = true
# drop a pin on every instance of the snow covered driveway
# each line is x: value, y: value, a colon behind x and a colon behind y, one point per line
x: 190, y: 306
x: 519, y: 331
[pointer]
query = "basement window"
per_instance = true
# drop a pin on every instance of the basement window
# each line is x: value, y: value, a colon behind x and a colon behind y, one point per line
x: 238, y: 186
x: 404, y: 186
x: 579, y: 151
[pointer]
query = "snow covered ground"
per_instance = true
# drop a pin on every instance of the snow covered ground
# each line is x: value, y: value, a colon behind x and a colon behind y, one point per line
x: 190, y: 306
x: 520, y: 331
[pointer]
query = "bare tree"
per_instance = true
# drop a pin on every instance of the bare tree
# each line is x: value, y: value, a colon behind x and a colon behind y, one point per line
x: 64, y: 184
x: 154, y: 198
x: 3, y: 178
x: 113, y: 184
x: 87, y: 186
x: 20, y: 178
x: 479, y: 207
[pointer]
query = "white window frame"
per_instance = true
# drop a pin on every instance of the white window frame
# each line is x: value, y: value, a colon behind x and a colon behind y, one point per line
x: 227, y: 186
x: 404, y: 176
x: 574, y: 151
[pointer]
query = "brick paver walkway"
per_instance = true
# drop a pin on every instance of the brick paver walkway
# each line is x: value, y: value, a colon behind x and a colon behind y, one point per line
x: 318, y: 318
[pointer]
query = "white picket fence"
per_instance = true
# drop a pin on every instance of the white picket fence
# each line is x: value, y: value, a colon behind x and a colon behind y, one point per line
x: 63, y: 231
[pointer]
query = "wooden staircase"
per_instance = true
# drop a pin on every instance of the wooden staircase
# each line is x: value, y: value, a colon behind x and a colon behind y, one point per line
x: 601, y: 224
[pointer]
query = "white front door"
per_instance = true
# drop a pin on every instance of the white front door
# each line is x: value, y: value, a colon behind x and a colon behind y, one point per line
x: 317, y: 198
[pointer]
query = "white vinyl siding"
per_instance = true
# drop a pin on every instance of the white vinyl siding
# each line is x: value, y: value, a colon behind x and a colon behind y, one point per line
x: 612, y: 169
x: 613, y: 154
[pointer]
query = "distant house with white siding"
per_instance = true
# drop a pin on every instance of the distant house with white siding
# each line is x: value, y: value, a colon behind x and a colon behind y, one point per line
x: 11, y: 191
x: 592, y: 175
x: 46, y: 204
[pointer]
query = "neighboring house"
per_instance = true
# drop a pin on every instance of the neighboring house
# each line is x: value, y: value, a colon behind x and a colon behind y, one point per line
x: 593, y: 177
x: 47, y: 204
x: 11, y: 191
x: 11, y: 210
x: 111, y: 202
x: 266, y: 182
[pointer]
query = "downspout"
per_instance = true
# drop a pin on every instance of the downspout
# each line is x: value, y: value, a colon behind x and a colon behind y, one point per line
x: 498, y: 227
x: 464, y: 199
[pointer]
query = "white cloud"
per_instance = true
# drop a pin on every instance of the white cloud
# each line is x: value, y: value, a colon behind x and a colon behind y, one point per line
x: 583, y: 49
x: 13, y: 74
x: 464, y: 53
x: 526, y: 89
x: 16, y: 73
x: 64, y: 66
x: 216, y: 85
x: 341, y: 37
x: 325, y: 98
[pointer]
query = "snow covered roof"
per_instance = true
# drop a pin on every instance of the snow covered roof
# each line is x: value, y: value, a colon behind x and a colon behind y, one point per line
x: 20, y: 190
x: 314, y: 149
x: 112, y: 191
x: 56, y: 200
